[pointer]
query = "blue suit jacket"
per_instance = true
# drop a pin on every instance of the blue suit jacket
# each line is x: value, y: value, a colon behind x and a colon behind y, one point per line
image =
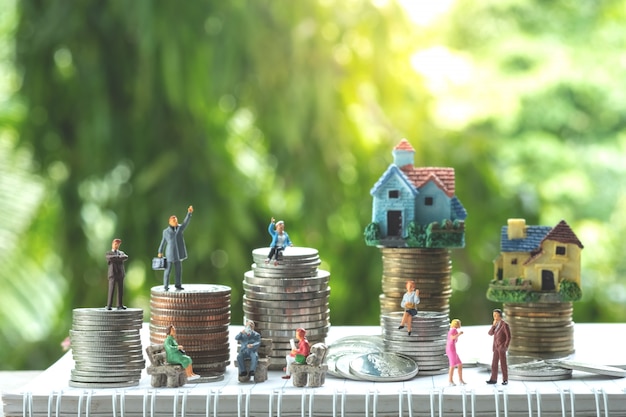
x: 173, y: 242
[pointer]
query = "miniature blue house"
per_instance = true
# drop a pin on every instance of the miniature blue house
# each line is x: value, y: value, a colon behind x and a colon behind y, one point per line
x: 415, y: 207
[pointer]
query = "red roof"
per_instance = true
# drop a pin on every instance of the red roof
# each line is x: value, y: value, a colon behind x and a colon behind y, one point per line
x: 442, y: 177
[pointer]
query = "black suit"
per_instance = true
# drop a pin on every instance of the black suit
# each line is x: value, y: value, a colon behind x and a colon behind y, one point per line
x: 115, y: 260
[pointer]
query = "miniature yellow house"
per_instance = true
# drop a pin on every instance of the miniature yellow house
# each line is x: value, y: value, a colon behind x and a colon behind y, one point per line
x: 539, y: 258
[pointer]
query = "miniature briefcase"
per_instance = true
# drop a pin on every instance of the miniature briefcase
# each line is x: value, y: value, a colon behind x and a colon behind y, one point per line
x: 158, y: 264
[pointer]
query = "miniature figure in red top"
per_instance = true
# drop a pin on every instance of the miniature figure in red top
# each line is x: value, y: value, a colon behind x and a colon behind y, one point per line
x: 299, y: 353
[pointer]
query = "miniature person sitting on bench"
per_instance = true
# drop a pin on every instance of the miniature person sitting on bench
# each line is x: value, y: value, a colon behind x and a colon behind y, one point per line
x: 250, y: 342
x: 302, y: 350
x: 175, y: 354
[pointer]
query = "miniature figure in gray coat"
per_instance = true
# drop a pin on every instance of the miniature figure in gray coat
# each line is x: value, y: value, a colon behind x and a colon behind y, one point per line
x: 175, y: 251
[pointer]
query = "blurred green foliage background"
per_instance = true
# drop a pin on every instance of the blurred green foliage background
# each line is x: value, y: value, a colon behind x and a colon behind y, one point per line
x: 115, y: 115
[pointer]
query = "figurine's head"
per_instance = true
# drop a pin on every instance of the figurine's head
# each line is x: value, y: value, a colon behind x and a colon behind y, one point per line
x: 300, y: 333
x: 249, y: 326
x: 173, y: 221
x: 410, y: 286
x: 280, y: 226
x: 115, y: 245
x: 171, y: 330
x: 497, y: 314
x: 456, y: 323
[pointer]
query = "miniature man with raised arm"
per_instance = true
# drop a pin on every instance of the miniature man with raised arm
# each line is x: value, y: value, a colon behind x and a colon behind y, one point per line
x: 115, y: 259
x: 409, y: 303
x: 280, y: 240
x: 303, y: 348
x: 501, y: 339
x: 175, y: 250
x: 249, y: 341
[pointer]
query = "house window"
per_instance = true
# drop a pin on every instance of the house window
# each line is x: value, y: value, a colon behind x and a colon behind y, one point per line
x: 560, y: 250
x: 394, y: 194
x: 428, y: 201
x: 514, y: 261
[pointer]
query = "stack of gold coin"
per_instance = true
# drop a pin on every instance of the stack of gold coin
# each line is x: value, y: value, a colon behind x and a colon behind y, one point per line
x: 106, y: 347
x: 284, y: 296
x: 201, y: 315
x: 429, y: 268
x: 543, y: 330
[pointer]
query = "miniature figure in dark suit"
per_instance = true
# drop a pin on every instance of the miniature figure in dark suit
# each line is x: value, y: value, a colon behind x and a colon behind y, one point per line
x: 249, y: 341
x: 115, y: 259
x: 175, y: 355
x: 280, y: 240
x: 501, y: 339
x: 175, y: 250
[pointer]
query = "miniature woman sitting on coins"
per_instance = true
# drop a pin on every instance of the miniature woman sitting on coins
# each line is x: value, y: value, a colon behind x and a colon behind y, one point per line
x: 409, y: 302
x: 175, y: 354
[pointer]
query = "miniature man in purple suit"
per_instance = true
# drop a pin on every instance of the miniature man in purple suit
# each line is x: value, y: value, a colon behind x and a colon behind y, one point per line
x: 115, y: 259
x: 175, y: 250
x: 501, y: 339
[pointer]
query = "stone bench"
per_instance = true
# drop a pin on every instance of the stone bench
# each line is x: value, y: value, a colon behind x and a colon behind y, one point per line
x: 313, y: 373
x: 262, y: 365
x: 163, y: 373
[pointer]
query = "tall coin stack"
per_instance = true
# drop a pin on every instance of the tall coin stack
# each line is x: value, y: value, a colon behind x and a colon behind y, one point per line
x: 106, y: 347
x: 542, y: 330
x: 281, y: 298
x: 201, y: 315
x: 429, y: 268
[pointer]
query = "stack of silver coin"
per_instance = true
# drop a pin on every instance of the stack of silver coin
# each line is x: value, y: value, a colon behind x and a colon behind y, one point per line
x: 429, y: 268
x: 201, y: 315
x: 542, y: 330
x: 426, y: 344
x: 106, y: 347
x: 282, y: 297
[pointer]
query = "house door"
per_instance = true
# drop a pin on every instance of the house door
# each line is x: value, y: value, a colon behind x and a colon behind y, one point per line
x: 394, y: 223
x: 547, y: 280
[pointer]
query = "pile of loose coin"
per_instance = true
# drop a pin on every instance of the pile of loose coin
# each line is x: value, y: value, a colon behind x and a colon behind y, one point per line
x: 363, y: 358
x: 282, y: 297
x: 201, y: 315
x: 106, y: 347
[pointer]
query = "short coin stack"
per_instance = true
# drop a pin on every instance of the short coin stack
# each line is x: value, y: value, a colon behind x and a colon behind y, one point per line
x: 201, y: 315
x: 106, y: 347
x: 426, y: 344
x: 429, y: 268
x: 281, y: 298
x: 542, y: 330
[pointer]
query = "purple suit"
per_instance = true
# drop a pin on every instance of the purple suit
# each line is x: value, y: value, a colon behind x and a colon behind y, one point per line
x: 501, y: 339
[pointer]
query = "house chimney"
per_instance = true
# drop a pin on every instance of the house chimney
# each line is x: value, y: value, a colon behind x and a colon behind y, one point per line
x: 516, y: 229
x: 403, y: 154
